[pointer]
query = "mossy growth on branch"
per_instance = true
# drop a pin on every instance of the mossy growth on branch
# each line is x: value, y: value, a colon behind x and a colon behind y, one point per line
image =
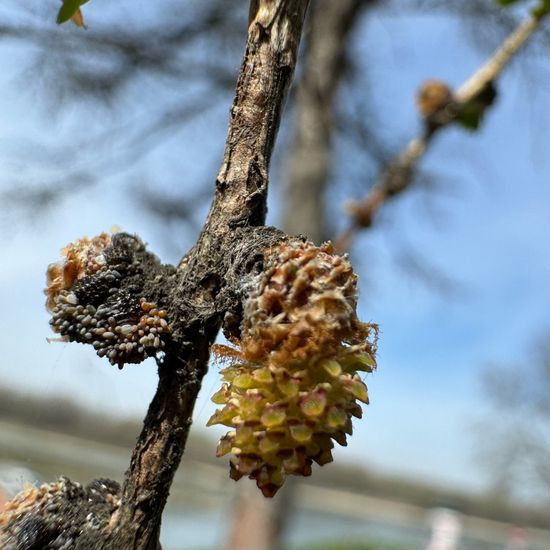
x: 292, y: 385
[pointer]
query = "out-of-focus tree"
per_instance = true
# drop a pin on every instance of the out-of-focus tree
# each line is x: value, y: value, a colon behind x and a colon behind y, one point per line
x: 134, y: 83
x: 515, y: 439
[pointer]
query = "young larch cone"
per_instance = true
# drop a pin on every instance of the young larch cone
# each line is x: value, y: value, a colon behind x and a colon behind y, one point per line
x: 293, y: 385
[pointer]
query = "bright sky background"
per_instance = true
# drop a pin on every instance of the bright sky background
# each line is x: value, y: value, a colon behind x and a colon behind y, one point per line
x: 486, y: 226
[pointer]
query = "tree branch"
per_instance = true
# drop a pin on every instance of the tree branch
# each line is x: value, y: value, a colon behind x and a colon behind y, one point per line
x: 240, y: 202
x: 202, y: 292
x: 494, y: 66
x: 399, y: 173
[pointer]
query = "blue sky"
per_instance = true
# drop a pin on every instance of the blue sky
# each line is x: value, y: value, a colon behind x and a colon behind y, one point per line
x: 486, y: 226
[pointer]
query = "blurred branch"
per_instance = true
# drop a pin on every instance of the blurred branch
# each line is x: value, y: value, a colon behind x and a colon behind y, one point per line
x: 181, y: 216
x: 310, y: 153
x: 80, y: 167
x: 99, y: 64
x: 491, y: 70
x: 399, y: 173
x: 151, y: 57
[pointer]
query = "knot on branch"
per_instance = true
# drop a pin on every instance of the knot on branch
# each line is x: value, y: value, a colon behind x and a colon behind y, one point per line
x: 55, y: 515
x: 108, y: 292
x: 293, y: 386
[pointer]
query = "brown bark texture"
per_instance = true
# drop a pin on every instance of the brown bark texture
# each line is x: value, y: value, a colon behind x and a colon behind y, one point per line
x: 202, y: 295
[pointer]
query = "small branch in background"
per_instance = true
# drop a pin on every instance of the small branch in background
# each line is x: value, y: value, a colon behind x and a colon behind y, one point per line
x: 147, y: 59
x: 494, y: 66
x: 518, y: 449
x: 79, y: 166
x: 440, y: 108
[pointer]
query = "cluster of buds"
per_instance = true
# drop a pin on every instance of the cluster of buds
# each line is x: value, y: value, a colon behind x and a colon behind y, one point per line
x: 293, y: 386
x: 89, y: 304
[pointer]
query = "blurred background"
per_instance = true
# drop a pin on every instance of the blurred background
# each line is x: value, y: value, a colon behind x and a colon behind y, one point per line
x: 124, y: 124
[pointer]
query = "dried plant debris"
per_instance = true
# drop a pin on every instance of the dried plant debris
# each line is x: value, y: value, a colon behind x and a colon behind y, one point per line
x: 55, y: 515
x: 97, y: 295
x: 292, y: 386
